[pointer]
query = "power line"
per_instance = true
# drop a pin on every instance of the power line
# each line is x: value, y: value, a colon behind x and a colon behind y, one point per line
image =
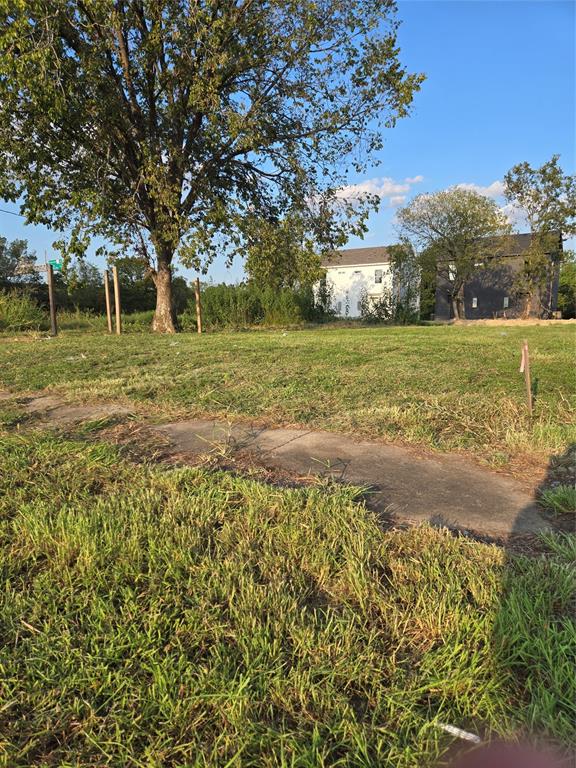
x: 12, y: 213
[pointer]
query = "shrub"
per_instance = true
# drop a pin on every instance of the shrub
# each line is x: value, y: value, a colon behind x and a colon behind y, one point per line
x: 18, y: 312
x: 376, y: 309
x: 567, y: 288
x: 138, y: 321
x: 244, y: 305
x: 80, y: 320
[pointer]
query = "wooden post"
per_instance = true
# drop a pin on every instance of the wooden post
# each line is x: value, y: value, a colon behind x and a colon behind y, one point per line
x: 198, y: 304
x: 525, y: 368
x: 108, y: 303
x: 117, y: 300
x: 51, y: 299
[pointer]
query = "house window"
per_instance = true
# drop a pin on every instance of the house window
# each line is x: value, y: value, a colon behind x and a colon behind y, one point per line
x: 357, y: 271
x: 339, y: 307
x: 474, y: 302
x: 506, y: 302
x: 377, y: 275
x: 359, y: 306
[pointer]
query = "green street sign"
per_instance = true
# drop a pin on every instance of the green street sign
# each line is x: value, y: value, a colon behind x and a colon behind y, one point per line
x: 55, y: 264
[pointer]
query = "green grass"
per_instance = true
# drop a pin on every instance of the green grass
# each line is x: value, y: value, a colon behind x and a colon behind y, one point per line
x: 161, y: 617
x: 561, y: 500
x: 444, y: 388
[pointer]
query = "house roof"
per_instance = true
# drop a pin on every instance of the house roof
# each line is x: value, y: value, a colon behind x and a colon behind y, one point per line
x: 357, y: 256
x: 516, y: 245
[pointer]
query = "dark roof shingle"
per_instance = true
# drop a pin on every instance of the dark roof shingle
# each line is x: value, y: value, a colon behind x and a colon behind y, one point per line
x: 357, y: 256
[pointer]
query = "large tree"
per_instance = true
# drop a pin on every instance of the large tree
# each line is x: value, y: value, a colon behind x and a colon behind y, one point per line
x: 159, y: 124
x: 453, y: 233
x: 546, y: 196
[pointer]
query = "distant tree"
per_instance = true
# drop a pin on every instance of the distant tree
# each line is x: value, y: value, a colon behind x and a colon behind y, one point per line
x: 406, y: 282
x: 16, y: 263
x: 162, y: 124
x: 455, y: 230
x: 282, y: 254
x: 84, y: 286
x: 547, y: 197
x: 567, y: 285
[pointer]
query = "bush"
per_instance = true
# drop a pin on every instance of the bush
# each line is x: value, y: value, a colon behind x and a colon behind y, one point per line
x: 80, y: 320
x: 138, y: 321
x: 245, y: 305
x: 18, y: 312
x: 567, y: 289
x: 376, y: 309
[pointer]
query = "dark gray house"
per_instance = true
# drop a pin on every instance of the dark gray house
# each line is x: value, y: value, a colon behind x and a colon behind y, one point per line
x: 492, y: 292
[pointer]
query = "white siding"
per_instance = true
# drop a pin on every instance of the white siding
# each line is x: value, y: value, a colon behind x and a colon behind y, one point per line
x: 350, y: 282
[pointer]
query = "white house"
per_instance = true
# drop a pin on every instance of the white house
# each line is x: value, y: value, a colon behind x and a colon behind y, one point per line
x: 358, y: 273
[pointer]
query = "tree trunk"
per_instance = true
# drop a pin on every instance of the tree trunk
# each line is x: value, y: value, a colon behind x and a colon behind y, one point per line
x: 461, y: 307
x: 164, y: 317
x: 527, y: 306
x: 455, y: 308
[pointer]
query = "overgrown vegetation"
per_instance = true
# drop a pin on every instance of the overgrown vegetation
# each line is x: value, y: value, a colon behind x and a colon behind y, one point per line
x: 19, y: 312
x: 567, y: 286
x: 247, y: 304
x: 445, y: 388
x: 161, y: 617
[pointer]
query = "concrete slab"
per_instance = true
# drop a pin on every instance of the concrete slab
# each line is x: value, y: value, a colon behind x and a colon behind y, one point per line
x: 445, y: 491
x: 52, y: 409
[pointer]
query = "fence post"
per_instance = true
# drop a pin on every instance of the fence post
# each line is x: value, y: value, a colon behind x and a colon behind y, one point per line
x: 51, y: 299
x: 107, y: 295
x: 525, y: 368
x: 198, y: 304
x: 117, y: 300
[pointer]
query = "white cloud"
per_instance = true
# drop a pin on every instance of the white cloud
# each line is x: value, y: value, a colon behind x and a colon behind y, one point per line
x: 515, y: 215
x: 494, y: 190
x: 386, y: 188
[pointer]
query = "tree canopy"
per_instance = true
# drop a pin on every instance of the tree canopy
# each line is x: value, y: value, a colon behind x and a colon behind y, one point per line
x: 164, y: 125
x: 452, y: 233
x: 547, y: 197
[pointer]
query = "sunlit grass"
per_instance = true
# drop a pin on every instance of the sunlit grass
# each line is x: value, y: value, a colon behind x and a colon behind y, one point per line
x: 443, y: 388
x: 170, y: 617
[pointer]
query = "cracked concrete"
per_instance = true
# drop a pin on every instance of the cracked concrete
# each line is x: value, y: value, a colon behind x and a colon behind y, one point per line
x: 443, y: 490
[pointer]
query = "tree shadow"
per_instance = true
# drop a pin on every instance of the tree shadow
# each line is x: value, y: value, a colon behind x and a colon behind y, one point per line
x: 533, y: 642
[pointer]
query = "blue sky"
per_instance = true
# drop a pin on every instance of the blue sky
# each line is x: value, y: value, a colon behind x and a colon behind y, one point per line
x: 500, y: 89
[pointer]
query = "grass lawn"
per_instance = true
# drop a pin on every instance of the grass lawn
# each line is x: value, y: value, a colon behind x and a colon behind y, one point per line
x: 156, y: 617
x: 444, y: 388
